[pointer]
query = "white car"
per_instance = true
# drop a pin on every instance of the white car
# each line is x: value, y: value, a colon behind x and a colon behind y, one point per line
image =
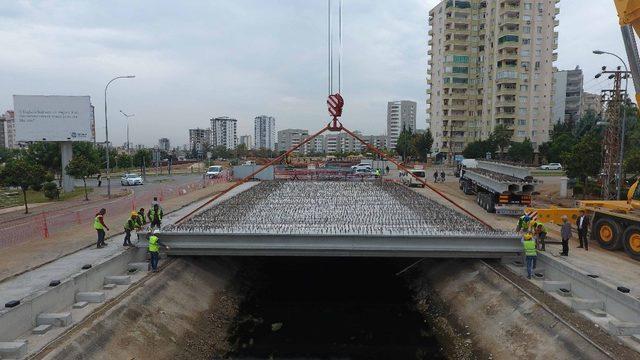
x: 131, y: 180
x: 214, y: 171
x: 551, y: 166
x: 361, y: 167
x: 410, y: 181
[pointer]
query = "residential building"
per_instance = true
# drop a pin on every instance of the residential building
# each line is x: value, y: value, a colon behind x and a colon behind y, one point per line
x: 2, y: 133
x: 9, y: 129
x: 400, y: 115
x: 315, y: 146
x: 567, y: 96
x: 264, y: 132
x: 289, y: 138
x: 199, y: 141
x: 591, y: 102
x: 490, y: 63
x: 379, y: 141
x: 224, y: 132
x: 164, y: 144
x: 247, y: 140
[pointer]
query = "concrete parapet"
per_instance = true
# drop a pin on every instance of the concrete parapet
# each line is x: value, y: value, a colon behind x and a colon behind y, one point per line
x: 549, y: 285
x: 90, y: 297
x: 586, y: 304
x: 13, y: 349
x: 623, y: 328
x: 41, y: 329
x: 118, y: 280
x: 80, y: 304
x: 140, y: 266
x: 55, y: 319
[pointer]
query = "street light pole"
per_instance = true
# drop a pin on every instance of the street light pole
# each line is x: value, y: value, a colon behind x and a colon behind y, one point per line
x: 128, y: 143
x: 623, y: 127
x: 106, y: 128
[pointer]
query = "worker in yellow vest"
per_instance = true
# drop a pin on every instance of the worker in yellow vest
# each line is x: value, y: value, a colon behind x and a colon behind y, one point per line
x: 100, y: 226
x: 530, y: 252
x: 155, y: 215
x: 154, y: 250
x: 130, y: 225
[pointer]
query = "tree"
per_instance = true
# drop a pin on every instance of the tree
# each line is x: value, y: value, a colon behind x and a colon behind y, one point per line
x: 241, y: 150
x: 421, y: 144
x: 584, y: 159
x: 125, y: 161
x: 142, y: 157
x: 404, y: 144
x: 501, y: 137
x: 632, y: 162
x: 22, y: 173
x: 478, y: 149
x: 521, y: 151
x: 89, y: 152
x: 81, y: 168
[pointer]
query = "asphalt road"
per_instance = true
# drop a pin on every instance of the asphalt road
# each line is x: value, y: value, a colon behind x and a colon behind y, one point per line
x: 153, y: 182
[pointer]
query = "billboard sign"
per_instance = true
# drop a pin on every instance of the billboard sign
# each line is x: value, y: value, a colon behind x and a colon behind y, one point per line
x: 53, y: 118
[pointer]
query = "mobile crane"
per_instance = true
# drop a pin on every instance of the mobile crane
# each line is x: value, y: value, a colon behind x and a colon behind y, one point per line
x: 615, y: 224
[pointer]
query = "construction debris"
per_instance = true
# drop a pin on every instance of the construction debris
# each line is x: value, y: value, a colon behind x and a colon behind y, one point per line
x: 334, y: 208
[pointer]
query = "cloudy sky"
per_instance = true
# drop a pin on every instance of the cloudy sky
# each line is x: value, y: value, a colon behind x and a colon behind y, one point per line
x: 194, y: 60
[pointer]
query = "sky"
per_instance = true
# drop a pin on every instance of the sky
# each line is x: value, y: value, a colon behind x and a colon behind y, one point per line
x: 194, y: 60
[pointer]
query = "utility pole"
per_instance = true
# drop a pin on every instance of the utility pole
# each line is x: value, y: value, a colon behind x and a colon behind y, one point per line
x: 615, y: 114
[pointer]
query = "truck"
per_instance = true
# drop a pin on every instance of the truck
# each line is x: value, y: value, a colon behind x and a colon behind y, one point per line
x: 499, y: 188
x: 615, y: 224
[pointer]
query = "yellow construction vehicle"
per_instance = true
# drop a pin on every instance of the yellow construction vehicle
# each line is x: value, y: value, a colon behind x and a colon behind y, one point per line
x: 615, y: 224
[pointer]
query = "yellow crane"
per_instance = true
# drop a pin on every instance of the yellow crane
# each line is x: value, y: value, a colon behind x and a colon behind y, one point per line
x: 615, y: 224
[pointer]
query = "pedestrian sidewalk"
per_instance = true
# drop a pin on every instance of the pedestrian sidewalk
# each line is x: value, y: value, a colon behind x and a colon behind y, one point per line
x: 27, y: 255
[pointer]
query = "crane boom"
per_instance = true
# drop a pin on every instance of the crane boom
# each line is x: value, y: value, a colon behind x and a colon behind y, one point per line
x: 629, y: 17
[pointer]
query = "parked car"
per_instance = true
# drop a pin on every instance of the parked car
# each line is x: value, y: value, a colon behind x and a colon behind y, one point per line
x: 411, y: 181
x: 131, y: 180
x: 214, y: 171
x: 551, y: 166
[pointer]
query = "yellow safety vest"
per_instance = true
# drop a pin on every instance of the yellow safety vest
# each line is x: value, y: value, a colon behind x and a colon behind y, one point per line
x: 153, y: 244
x: 530, y: 248
x: 97, y: 224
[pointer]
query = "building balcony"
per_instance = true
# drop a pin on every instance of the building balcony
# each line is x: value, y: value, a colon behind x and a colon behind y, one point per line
x: 430, y: 32
x: 505, y: 104
x: 507, y: 55
x: 556, y: 23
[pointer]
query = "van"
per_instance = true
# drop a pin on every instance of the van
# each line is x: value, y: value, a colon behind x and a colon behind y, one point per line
x: 214, y: 171
x: 412, y: 181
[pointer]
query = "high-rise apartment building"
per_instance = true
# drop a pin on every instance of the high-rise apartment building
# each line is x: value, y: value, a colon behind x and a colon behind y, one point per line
x: 400, y: 115
x: 567, y: 96
x: 379, y: 141
x: 199, y: 140
x: 9, y: 129
x: 591, y: 102
x: 315, y: 146
x: 247, y: 140
x: 264, y: 132
x: 289, y: 138
x: 490, y: 63
x: 3, y: 140
x: 224, y: 132
x: 164, y: 144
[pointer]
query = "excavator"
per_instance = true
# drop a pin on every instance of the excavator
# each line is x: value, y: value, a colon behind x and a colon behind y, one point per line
x: 615, y: 224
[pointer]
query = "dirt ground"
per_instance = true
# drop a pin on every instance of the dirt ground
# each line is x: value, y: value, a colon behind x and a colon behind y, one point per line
x: 159, y: 319
x: 22, y: 257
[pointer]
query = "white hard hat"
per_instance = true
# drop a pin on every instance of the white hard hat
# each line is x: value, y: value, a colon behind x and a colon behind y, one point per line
x: 156, y: 231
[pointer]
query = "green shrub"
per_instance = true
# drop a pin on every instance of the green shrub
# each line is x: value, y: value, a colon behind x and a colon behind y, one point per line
x: 51, y: 190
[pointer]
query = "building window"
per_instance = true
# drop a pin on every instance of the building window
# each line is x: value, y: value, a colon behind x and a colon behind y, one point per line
x: 523, y: 100
x: 539, y: 29
x: 522, y: 111
x: 527, y: 6
x: 460, y: 59
x: 521, y: 133
x: 460, y: 70
x: 524, y: 88
x: 526, y: 29
x: 522, y: 122
x: 526, y: 41
x: 525, y: 53
x: 526, y: 17
x: 460, y: 80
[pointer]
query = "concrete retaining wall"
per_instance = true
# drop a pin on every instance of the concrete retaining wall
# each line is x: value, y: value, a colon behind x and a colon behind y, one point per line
x: 616, y: 303
x: 18, y: 320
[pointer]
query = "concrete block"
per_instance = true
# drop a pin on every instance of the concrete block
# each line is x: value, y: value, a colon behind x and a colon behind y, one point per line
x: 55, y: 319
x: 598, y: 312
x: 624, y: 328
x: 118, y: 280
x: 13, y: 349
x: 109, y: 286
x: 140, y: 266
x: 586, y: 304
x: 41, y: 329
x: 555, y: 285
x: 80, y: 304
x: 90, y: 297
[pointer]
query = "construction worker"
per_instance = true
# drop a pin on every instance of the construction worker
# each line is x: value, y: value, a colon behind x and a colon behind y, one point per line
x: 142, y: 218
x: 154, y: 250
x: 435, y: 176
x: 541, y: 235
x: 442, y: 176
x: 565, y: 235
x: 377, y: 173
x: 100, y: 226
x: 530, y: 252
x: 130, y: 225
x: 523, y: 223
x: 155, y: 215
